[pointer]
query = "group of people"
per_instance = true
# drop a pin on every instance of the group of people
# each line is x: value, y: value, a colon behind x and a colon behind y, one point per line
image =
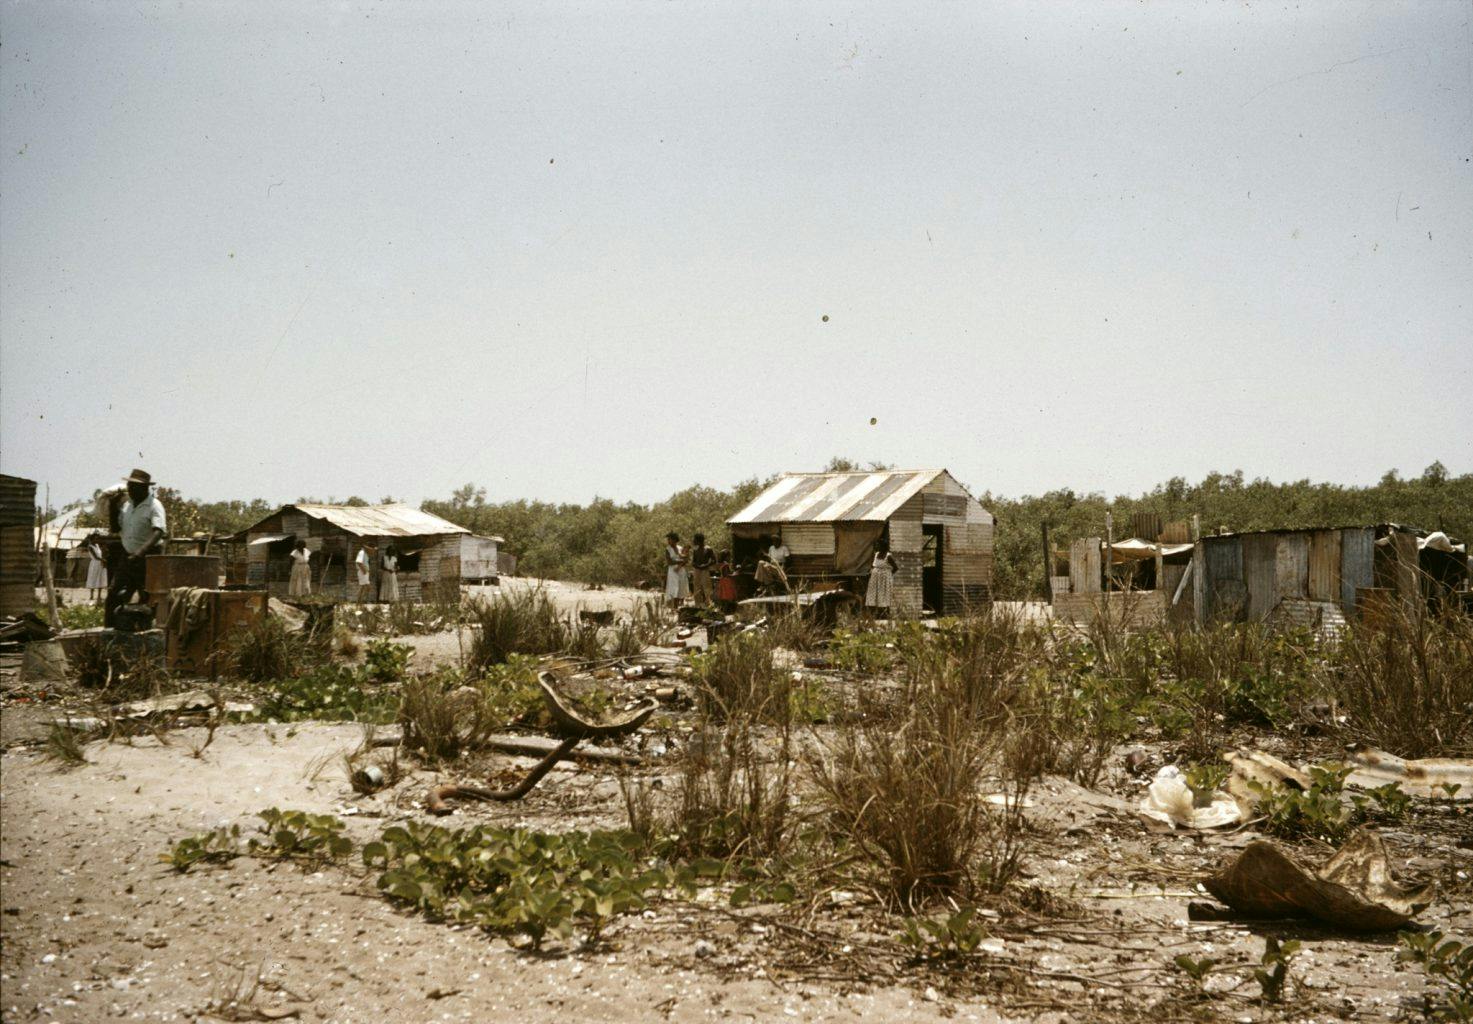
x: 299, y: 584
x: 689, y: 572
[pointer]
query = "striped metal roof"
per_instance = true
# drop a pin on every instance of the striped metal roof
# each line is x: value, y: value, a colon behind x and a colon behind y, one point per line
x: 836, y: 497
x: 381, y: 520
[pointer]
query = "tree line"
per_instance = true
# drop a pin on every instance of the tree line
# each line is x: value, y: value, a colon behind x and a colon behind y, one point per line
x: 613, y: 542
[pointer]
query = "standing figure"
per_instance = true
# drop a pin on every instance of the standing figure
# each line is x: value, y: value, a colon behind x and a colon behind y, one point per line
x: 388, y: 578
x: 301, y: 579
x: 881, y: 579
x: 677, y: 583
x: 702, y: 560
x: 771, y: 577
x: 777, y: 552
x: 141, y: 526
x: 96, y: 569
x: 362, y: 568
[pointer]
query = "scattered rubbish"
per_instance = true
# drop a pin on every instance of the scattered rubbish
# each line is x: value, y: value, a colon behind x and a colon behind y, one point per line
x: 639, y: 671
x: 1136, y: 762
x: 684, y: 632
x: 1171, y: 802
x: 368, y: 780
x: 1353, y: 891
x: 601, y: 617
x: 293, y: 619
x: 191, y: 702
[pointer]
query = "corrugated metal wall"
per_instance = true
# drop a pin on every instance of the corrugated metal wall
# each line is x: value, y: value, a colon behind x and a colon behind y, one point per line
x: 905, y: 544
x: 1291, y: 566
x: 1260, y: 564
x: 1357, y: 564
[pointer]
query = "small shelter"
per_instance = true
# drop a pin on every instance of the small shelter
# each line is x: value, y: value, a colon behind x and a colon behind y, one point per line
x: 1323, y: 576
x: 1135, y: 580
x: 940, y: 536
x: 479, y: 558
x: 429, y: 549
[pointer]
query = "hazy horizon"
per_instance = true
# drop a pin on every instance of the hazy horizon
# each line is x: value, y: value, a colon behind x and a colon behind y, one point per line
x: 274, y: 250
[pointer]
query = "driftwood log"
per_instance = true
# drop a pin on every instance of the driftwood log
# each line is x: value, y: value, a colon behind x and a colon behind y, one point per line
x: 574, y: 729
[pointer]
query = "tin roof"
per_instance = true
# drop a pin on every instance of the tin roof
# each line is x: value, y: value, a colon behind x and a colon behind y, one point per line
x: 380, y: 520
x: 836, y: 497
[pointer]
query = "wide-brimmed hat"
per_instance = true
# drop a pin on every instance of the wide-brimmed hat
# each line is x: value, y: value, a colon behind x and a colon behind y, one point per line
x: 138, y: 476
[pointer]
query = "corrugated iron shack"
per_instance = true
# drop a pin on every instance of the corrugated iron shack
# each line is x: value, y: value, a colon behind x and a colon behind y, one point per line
x: 1323, y: 576
x: 940, y: 536
x: 429, y: 549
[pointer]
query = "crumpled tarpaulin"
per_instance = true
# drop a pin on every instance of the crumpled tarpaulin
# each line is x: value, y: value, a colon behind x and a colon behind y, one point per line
x: 189, y: 609
x: 1353, y: 891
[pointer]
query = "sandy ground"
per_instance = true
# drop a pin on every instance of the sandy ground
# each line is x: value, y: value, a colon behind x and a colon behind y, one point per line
x: 95, y: 927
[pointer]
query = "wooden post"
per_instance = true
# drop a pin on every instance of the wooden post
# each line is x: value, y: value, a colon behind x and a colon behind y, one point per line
x: 1109, y: 552
x: 1048, y: 566
x: 46, y: 570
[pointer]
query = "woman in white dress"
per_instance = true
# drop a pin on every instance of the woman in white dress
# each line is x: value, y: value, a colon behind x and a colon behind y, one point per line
x: 881, y: 579
x: 300, y: 584
x: 677, y: 582
x: 388, y: 577
x: 96, y: 569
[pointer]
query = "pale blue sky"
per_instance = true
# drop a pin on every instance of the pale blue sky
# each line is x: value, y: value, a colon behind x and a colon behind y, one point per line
x: 574, y: 249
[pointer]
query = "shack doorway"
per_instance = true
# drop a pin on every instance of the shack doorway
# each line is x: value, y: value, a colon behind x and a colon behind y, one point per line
x: 931, y: 555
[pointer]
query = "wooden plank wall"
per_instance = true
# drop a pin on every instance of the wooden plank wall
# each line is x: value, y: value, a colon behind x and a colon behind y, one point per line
x: 1129, y: 608
x: 1084, y: 565
x: 1324, y: 566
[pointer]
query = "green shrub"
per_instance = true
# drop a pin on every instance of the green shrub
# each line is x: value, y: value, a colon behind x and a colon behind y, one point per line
x: 387, y: 661
x: 1317, y: 812
x: 515, y: 881
x: 266, y: 650
x: 523, y: 622
x: 1448, y: 964
x: 327, y: 693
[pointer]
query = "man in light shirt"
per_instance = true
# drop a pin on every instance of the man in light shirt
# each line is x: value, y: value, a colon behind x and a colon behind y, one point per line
x: 362, y: 566
x: 141, y: 528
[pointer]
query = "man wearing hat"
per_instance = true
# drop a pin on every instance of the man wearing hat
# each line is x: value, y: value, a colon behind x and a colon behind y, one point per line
x: 141, y: 527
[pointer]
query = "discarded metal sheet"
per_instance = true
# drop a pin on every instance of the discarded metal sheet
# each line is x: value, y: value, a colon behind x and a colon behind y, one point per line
x: 1433, y: 777
x: 1353, y: 891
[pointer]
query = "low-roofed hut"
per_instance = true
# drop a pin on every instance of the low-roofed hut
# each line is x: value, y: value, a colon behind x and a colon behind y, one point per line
x: 940, y: 536
x: 429, y: 549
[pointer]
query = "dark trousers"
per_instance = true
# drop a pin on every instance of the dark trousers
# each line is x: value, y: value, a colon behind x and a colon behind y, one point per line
x: 127, y: 580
